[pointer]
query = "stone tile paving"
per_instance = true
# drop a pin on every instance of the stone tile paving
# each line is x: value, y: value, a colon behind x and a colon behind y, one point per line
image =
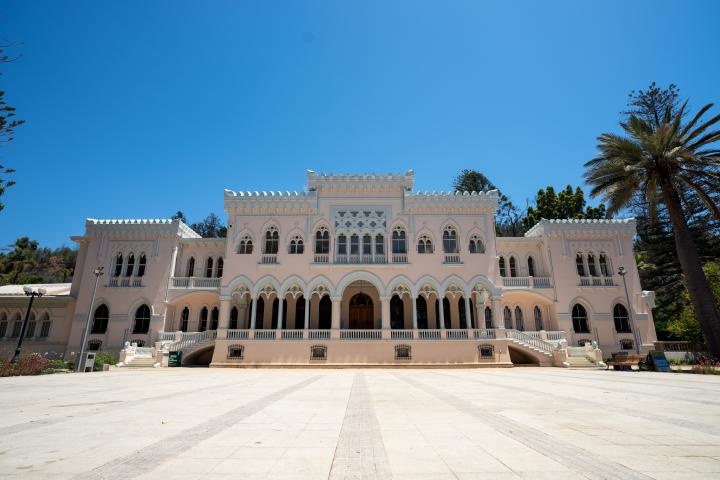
x: 532, y: 423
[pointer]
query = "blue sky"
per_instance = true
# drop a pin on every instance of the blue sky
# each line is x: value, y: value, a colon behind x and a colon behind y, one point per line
x: 140, y: 108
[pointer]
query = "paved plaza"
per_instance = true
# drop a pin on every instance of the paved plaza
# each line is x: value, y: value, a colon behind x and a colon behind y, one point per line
x: 539, y: 423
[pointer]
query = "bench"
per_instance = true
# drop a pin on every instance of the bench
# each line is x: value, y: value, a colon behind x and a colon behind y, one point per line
x: 621, y: 361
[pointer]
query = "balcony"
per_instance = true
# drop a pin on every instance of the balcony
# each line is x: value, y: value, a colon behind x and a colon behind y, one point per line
x: 452, y: 259
x: 269, y: 259
x: 321, y: 258
x: 124, y: 283
x: 526, y: 282
x: 596, y: 282
x: 195, y: 283
x: 357, y: 259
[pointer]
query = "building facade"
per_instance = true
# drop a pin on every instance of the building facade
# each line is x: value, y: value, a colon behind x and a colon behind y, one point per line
x: 356, y: 269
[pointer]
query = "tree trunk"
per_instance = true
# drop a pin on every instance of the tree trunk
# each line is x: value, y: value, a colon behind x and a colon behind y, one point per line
x: 701, y: 296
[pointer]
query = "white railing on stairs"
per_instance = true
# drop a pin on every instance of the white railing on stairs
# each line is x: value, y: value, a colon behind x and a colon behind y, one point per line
x: 529, y: 340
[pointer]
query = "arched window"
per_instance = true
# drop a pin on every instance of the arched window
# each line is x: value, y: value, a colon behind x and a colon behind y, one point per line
x: 379, y: 244
x: 3, y: 325
x: 220, y: 267
x: 580, y: 265
x: 446, y: 313
x: 296, y: 245
x: 191, y: 267
x: 130, y: 265
x: 620, y: 315
x: 462, y: 314
x: 531, y: 267
x: 184, y: 319
x: 519, y: 320
x: 142, y: 319
x: 30, y: 332
x: 214, y: 318
x: 342, y: 245
x: 245, y: 246
x: 354, y: 244
x: 592, y: 270
x: 322, y: 241
x: 473, y: 323
x: 397, y: 313
x: 100, y: 319
x: 325, y: 313
x: 118, y: 265
x: 604, y: 267
x: 513, y: 267
x: 275, y: 309
x: 17, y: 326
x: 580, y: 319
x: 422, y: 314
x: 424, y: 245
x: 367, y: 244
x: 233, y: 318
x: 141, y: 265
x: 488, y: 317
x: 501, y: 263
x: 398, y: 240
x: 272, y: 240
x: 203, y: 323
x: 209, y: 267
x: 450, y: 240
x: 538, y: 318
x: 45, y: 325
x: 260, y: 315
x: 507, y: 317
x: 476, y: 245
x: 300, y: 313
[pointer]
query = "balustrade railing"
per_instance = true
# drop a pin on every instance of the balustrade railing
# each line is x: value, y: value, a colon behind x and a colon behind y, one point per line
x: 360, y: 334
x: 401, y: 334
x: 189, y: 339
x: 456, y: 334
x: 484, y: 333
x: 556, y: 336
x: 264, y: 335
x: 318, y: 334
x: 516, y: 282
x: 596, y: 282
x: 358, y: 259
x: 201, y: 283
x: 541, y: 282
x: 118, y: 282
x: 399, y: 258
x: 165, y: 336
x: 269, y: 258
x: 238, y: 334
x: 453, y: 258
x: 433, y: 334
x: 321, y: 258
x: 530, y: 340
x: 292, y: 334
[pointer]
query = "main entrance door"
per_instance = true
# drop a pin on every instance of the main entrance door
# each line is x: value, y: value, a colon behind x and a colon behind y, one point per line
x: 361, y: 312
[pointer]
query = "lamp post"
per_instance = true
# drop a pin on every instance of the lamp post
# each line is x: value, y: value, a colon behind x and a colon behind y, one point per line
x: 622, y: 272
x: 32, y: 294
x: 98, y: 273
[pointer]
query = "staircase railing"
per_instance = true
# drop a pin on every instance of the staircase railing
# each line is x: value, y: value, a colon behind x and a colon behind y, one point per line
x: 529, y: 340
x: 191, y: 339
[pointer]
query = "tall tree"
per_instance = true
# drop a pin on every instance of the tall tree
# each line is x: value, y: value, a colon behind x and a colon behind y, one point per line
x: 667, y: 161
x: 508, y: 218
x: 568, y: 203
x: 210, y: 227
x: 8, y: 123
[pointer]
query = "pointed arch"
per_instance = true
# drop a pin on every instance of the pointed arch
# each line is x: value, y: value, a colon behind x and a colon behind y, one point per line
x: 359, y: 275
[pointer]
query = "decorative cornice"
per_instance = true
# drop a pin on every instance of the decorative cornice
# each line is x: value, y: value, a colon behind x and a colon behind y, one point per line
x: 575, y: 226
x: 138, y: 228
x: 451, y: 202
x: 359, y: 183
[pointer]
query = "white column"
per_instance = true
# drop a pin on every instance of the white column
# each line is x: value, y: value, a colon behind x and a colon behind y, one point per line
x: 468, y: 316
x: 280, y: 313
x: 335, y: 312
x: 253, y: 317
x: 385, y: 312
x: 441, y: 310
x: 307, y: 313
x: 414, y: 307
x: 224, y: 312
x: 498, y: 321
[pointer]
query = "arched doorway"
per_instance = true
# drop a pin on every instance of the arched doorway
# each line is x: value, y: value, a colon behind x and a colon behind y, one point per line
x: 361, y: 312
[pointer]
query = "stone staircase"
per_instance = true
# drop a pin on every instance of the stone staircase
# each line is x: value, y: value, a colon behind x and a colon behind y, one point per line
x: 140, y: 362
x: 534, y: 344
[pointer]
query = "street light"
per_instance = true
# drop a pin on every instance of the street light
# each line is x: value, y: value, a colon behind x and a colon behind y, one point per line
x: 32, y: 294
x: 98, y: 273
x: 636, y: 335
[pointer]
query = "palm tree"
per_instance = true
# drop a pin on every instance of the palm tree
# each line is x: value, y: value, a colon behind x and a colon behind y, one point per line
x: 666, y: 161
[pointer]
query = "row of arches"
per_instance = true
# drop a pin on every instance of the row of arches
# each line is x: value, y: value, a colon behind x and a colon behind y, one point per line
x: 359, y: 243
x: 588, y: 265
x: 510, y: 269
x: 212, y: 268
x: 581, y: 323
x: 128, y: 266
x: 38, y: 326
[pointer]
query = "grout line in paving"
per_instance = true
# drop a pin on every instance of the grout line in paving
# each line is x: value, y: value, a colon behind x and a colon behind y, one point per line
x: 583, y: 462
x: 151, y: 456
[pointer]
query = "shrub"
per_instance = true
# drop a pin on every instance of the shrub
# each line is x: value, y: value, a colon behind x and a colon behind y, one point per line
x: 104, y: 358
x: 28, y: 365
x: 706, y: 365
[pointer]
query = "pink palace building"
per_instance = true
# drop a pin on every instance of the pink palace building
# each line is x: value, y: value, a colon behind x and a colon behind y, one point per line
x: 354, y: 270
